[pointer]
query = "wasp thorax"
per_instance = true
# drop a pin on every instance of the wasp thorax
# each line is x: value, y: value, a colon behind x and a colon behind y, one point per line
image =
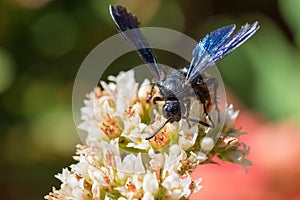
x: 173, y: 82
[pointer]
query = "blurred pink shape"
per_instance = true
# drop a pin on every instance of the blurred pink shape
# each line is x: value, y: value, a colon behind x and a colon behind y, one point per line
x: 275, y: 174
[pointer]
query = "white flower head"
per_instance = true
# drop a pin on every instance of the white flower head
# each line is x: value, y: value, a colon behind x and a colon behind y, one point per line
x: 117, y: 162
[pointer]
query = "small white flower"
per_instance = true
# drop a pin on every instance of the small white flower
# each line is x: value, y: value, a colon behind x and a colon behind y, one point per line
x: 230, y: 115
x: 198, y: 157
x: 148, y: 196
x: 126, y: 90
x: 103, y: 110
x: 107, y: 198
x: 131, y: 189
x: 138, y: 109
x: 195, y: 110
x: 172, y: 161
x: 188, y: 135
x: 110, y: 152
x: 131, y: 164
x: 103, y: 176
x: 157, y: 159
x: 133, y: 129
x: 109, y: 88
x: 239, y: 157
x: 176, y: 187
x: 150, y: 183
x: 95, y: 134
x: 144, y: 89
x: 81, y: 168
x: 196, y: 185
x: 72, y: 187
x: 185, y: 184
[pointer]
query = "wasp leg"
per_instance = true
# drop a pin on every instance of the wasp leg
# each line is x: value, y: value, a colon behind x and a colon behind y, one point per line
x: 198, y: 121
x: 214, y: 82
x: 149, y: 97
x: 203, y: 102
x: 188, y: 108
x: 155, y: 99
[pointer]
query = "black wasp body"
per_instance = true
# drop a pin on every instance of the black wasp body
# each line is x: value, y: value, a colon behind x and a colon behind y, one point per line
x: 178, y: 88
x: 177, y: 93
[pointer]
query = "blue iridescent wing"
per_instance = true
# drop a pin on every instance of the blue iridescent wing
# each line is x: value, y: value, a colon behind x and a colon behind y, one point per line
x: 128, y: 26
x: 207, y: 46
x: 215, y: 46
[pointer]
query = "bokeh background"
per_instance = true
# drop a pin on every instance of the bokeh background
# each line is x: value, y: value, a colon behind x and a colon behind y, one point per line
x: 43, y: 43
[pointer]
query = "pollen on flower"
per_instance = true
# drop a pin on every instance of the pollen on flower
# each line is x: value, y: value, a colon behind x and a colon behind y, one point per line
x: 131, y: 112
x: 187, y: 166
x: 130, y: 186
x: 107, y: 179
x: 87, y: 186
x: 228, y: 140
x: 195, y: 186
x: 109, y: 159
x: 110, y: 127
x: 98, y: 92
x: 161, y: 139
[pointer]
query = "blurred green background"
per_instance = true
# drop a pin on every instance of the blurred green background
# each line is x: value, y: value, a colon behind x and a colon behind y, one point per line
x: 43, y: 43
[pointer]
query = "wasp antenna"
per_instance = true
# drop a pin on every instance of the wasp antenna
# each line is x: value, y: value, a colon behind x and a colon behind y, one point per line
x: 159, y: 129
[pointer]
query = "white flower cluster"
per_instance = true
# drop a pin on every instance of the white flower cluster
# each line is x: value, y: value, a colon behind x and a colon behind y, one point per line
x: 116, y: 162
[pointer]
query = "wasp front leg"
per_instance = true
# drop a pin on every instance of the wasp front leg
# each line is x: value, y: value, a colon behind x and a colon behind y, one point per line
x: 150, y: 95
x: 155, y: 99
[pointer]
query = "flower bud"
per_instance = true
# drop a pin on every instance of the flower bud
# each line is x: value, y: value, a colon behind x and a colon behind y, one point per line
x: 207, y: 143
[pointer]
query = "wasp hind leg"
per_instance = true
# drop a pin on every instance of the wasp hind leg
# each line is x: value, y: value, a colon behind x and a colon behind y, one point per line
x: 204, y: 105
x: 197, y: 121
x: 188, y: 108
x: 214, y: 83
x: 188, y: 119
